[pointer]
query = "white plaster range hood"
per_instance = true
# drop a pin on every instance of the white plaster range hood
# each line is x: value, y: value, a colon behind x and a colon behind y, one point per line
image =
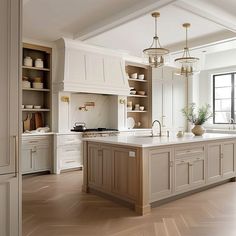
x: 89, y: 69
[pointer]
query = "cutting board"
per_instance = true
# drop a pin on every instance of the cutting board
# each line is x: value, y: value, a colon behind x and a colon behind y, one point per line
x: 32, y: 122
x: 26, y: 123
x: 38, y: 120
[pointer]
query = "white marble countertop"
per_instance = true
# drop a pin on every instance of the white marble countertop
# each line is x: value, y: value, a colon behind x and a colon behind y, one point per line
x: 36, y: 134
x: 147, y: 141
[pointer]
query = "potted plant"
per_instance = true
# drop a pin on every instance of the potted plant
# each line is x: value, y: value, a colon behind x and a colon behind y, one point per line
x: 197, y: 117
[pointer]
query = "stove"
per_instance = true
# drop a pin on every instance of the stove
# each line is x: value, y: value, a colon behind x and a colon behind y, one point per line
x: 97, y: 132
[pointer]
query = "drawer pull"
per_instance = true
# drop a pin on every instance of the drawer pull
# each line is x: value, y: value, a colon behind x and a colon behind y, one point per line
x: 70, y: 161
x: 70, y: 150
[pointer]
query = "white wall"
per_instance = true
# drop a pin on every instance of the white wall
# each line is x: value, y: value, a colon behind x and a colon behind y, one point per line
x: 220, y: 62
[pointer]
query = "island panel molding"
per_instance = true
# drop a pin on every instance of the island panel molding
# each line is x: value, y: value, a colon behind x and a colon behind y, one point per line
x: 143, y: 175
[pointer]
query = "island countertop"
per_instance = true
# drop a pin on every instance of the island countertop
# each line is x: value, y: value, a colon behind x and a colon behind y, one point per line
x: 148, y: 141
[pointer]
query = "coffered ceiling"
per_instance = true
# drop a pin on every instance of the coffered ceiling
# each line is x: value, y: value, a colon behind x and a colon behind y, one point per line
x: 127, y: 25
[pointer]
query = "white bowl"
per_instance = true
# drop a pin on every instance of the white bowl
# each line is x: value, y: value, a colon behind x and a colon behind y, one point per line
x: 25, y: 84
x: 37, y: 85
x: 141, y: 76
x: 134, y: 75
x: 133, y: 92
x: 29, y: 106
x: 141, y: 108
x: 37, y: 107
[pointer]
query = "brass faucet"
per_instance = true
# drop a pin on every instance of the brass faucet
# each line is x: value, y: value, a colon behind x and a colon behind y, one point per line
x: 159, y: 135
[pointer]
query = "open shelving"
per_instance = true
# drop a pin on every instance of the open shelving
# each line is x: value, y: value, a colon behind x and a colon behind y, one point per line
x: 140, y: 117
x: 37, y: 96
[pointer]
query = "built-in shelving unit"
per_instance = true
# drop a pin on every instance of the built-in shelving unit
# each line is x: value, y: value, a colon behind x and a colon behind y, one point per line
x: 37, y: 96
x: 142, y: 118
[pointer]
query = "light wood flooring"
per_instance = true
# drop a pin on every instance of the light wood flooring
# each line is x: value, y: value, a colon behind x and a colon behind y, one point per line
x: 54, y: 205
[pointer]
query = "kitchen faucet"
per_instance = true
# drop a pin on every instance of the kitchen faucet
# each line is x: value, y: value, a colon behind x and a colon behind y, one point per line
x: 159, y: 127
x: 231, y: 121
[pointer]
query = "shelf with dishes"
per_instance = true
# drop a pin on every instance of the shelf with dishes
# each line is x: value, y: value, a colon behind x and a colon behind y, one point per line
x: 138, y: 101
x: 35, y: 68
x: 137, y: 80
x: 35, y: 89
x: 136, y: 111
x: 36, y: 85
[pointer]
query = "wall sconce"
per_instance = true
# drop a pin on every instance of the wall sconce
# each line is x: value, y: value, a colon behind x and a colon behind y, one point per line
x: 86, y: 105
x: 65, y: 99
x: 122, y: 101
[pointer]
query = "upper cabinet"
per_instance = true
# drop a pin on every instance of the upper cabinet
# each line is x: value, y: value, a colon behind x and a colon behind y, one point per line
x: 169, y: 94
x: 90, y: 69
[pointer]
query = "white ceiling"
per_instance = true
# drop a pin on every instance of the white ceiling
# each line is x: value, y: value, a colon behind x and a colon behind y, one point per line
x: 127, y: 24
x: 137, y: 34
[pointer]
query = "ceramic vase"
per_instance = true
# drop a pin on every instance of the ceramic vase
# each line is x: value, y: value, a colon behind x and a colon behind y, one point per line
x: 198, y: 130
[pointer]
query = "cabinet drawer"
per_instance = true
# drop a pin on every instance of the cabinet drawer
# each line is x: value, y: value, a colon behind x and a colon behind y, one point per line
x: 66, y: 153
x: 70, y: 163
x: 36, y: 141
x: 69, y: 139
x: 190, y: 151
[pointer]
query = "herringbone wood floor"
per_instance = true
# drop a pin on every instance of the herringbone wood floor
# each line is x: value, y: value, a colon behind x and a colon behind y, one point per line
x: 53, y: 205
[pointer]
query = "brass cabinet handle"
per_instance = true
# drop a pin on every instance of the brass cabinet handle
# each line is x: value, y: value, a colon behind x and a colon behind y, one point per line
x: 16, y: 155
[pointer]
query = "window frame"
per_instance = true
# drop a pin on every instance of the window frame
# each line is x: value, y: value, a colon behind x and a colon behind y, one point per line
x: 233, y: 93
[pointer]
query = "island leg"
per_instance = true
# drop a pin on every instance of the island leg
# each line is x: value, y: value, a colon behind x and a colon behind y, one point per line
x: 142, y: 205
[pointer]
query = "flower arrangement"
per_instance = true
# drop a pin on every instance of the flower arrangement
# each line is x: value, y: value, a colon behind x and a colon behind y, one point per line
x: 198, y: 117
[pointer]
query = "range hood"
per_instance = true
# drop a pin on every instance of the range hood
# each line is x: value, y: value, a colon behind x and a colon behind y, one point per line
x: 85, y: 68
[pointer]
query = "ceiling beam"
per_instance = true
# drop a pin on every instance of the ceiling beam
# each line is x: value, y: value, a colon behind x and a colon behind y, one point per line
x: 203, y: 41
x: 132, y: 13
x: 209, y: 12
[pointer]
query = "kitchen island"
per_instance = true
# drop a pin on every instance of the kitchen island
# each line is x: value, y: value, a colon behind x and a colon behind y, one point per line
x: 142, y: 170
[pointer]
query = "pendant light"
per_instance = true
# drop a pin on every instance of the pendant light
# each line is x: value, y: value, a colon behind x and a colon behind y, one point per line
x: 155, y: 52
x: 187, y: 63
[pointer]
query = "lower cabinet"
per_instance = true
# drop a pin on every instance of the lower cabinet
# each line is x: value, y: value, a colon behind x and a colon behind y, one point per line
x: 67, y: 152
x: 221, y: 161
x: 160, y: 167
x: 9, y: 205
x: 125, y: 172
x: 189, y: 173
x: 113, y: 170
x: 36, y: 155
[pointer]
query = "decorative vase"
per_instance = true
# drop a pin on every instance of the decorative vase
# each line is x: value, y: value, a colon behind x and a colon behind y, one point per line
x: 198, y: 130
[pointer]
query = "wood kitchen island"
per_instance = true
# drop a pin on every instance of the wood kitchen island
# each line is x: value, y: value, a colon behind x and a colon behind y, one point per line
x: 142, y: 170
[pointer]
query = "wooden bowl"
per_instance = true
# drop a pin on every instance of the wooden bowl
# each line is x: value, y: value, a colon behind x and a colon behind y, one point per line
x: 141, y: 93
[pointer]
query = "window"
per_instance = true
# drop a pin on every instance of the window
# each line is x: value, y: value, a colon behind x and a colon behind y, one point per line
x: 224, y: 98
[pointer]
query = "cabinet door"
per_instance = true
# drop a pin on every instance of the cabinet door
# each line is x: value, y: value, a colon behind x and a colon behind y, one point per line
x: 160, y: 169
x: 9, y: 211
x: 182, y: 175
x: 214, y: 163
x: 228, y: 159
x: 94, y: 165
x: 167, y: 104
x: 100, y: 166
x: 42, y: 158
x: 27, y: 163
x: 198, y: 171
x: 9, y: 78
x: 125, y: 174
x: 179, y: 102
